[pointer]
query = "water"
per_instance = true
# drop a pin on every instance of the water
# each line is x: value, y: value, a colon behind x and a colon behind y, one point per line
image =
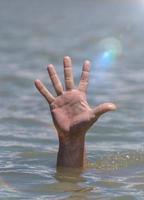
x: 35, y: 33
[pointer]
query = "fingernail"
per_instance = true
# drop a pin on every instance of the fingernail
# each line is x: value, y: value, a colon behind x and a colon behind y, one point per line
x: 67, y: 58
x: 87, y: 62
x: 112, y: 106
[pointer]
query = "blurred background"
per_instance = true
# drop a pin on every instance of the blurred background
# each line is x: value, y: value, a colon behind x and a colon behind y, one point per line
x: 35, y: 33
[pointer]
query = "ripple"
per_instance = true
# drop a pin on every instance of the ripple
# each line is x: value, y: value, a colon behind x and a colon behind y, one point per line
x: 25, y: 121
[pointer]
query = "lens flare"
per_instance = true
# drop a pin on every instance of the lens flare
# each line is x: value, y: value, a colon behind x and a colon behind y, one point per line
x: 107, y: 59
x: 110, y: 50
x: 6, y: 185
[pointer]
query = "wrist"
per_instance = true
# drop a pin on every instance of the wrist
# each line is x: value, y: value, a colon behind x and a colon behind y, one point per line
x: 71, y: 151
x: 71, y: 139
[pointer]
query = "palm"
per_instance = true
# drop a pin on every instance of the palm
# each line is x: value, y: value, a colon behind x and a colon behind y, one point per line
x: 70, y: 110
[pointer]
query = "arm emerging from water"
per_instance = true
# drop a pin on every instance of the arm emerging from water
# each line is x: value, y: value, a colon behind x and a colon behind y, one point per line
x: 71, y: 113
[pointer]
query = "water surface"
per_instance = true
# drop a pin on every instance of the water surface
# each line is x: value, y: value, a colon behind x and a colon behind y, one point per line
x: 35, y: 33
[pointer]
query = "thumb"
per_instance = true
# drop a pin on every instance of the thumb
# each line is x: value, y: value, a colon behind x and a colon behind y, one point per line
x: 103, y: 108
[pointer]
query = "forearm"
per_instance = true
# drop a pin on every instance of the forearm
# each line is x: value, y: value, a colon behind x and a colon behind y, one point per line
x: 71, y: 152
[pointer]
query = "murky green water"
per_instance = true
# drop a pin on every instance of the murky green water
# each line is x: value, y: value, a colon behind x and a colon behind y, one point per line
x: 34, y: 33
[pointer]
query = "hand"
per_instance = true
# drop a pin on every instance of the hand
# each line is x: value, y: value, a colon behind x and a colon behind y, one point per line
x: 71, y: 112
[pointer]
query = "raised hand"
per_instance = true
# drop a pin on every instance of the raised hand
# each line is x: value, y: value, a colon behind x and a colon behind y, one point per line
x: 71, y: 112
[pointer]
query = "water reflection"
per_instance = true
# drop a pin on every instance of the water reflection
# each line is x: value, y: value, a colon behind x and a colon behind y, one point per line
x: 73, y: 181
x: 69, y: 174
x: 68, y: 184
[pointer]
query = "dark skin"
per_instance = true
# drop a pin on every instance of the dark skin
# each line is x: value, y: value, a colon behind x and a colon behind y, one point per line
x: 71, y: 113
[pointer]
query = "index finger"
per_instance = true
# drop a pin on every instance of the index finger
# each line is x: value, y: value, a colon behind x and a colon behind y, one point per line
x: 43, y: 90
